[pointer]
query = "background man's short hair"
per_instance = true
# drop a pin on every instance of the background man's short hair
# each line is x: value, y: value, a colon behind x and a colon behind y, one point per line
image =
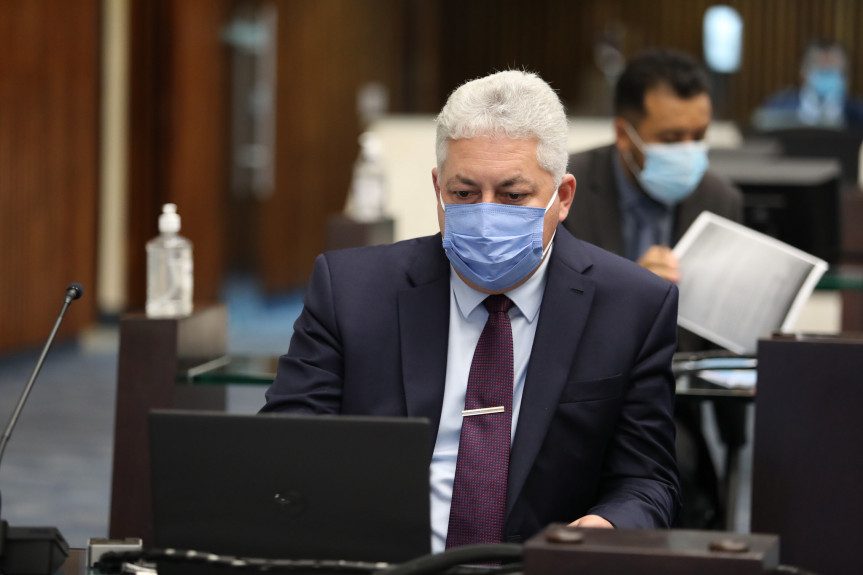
x: 675, y: 70
x: 820, y: 45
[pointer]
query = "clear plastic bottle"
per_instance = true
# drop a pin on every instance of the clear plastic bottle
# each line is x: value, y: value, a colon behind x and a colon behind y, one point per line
x: 169, y: 269
x: 368, y: 186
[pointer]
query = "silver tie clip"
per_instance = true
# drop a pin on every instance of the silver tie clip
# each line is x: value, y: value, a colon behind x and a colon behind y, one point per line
x: 482, y: 411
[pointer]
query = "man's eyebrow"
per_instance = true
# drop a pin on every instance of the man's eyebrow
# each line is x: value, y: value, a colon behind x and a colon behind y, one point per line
x: 672, y: 133
x: 517, y: 180
x: 681, y: 130
x: 459, y: 179
x: 511, y: 182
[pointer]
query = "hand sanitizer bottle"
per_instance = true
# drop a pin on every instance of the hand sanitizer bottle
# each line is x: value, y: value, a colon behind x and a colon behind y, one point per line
x: 169, y: 269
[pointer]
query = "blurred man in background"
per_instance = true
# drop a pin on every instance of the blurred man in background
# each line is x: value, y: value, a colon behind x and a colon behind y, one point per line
x: 821, y: 100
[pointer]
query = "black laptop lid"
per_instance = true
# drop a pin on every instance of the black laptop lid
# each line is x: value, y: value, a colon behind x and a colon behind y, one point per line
x: 291, y: 487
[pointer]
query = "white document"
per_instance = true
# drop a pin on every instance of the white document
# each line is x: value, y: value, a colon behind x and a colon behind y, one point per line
x: 732, y: 378
x: 738, y: 284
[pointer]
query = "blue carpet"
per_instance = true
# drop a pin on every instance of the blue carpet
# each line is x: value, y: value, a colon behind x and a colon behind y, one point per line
x: 57, y: 466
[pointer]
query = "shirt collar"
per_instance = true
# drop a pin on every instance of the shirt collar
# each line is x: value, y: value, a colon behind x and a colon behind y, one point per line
x: 527, y: 297
x: 629, y: 195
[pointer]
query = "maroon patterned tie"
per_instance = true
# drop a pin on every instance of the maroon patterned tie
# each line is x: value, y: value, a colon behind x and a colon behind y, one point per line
x: 479, y: 489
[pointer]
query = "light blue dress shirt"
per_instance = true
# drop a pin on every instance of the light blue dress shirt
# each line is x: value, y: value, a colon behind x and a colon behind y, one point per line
x: 466, y: 321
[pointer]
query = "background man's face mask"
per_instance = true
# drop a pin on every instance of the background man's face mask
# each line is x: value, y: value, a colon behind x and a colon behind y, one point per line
x: 671, y: 171
x: 495, y: 246
x: 828, y: 83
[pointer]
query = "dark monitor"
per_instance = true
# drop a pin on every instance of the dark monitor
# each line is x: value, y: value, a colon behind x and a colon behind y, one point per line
x: 794, y: 200
x: 812, y: 142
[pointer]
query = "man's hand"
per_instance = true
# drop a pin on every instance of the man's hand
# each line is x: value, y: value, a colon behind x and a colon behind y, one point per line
x: 661, y: 261
x: 592, y: 521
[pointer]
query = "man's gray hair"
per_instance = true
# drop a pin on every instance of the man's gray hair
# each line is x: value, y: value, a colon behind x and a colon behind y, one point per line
x: 513, y: 104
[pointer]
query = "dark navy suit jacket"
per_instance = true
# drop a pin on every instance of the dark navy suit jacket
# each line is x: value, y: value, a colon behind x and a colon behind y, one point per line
x: 595, y: 433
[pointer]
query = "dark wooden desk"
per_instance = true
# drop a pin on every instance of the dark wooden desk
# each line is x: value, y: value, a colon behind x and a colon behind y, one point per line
x: 150, y: 358
x: 807, y: 464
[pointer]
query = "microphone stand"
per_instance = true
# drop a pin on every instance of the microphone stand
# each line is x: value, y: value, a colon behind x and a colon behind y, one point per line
x: 33, y: 550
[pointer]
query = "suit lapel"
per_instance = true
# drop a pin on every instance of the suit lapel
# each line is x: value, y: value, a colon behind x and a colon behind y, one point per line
x: 605, y: 215
x: 424, y: 333
x: 565, y: 308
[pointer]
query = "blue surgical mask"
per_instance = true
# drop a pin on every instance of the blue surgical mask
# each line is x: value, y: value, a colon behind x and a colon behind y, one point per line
x: 495, y: 246
x: 671, y: 171
x: 828, y: 83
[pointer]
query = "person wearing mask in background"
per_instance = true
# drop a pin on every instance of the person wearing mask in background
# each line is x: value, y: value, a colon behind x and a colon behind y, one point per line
x: 822, y: 100
x: 638, y: 196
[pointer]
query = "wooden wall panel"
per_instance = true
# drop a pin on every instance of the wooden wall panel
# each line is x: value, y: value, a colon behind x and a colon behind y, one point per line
x: 145, y: 174
x: 196, y: 133
x: 326, y: 50
x: 49, y: 98
x: 555, y: 39
x: 178, y: 133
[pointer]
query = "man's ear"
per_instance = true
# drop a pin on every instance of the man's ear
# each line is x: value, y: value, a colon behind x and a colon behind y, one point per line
x: 621, y: 137
x: 434, y: 182
x: 565, y: 192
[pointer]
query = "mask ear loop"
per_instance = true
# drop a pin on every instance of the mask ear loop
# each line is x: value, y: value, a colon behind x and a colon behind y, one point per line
x: 554, y: 196
x: 627, y: 157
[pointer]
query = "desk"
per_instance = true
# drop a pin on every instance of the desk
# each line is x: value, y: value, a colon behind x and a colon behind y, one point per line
x: 807, y: 470
x: 151, y: 352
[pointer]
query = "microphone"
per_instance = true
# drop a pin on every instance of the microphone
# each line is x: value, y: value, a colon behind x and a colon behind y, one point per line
x: 73, y: 292
x: 33, y: 550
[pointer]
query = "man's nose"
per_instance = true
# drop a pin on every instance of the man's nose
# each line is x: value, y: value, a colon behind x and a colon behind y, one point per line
x: 488, y: 197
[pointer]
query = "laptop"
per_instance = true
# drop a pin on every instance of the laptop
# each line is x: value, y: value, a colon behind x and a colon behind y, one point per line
x: 283, y: 486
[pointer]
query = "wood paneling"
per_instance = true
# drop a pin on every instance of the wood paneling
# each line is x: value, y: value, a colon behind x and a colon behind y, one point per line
x: 145, y: 166
x: 326, y: 50
x: 555, y: 39
x: 178, y: 133
x: 49, y: 98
